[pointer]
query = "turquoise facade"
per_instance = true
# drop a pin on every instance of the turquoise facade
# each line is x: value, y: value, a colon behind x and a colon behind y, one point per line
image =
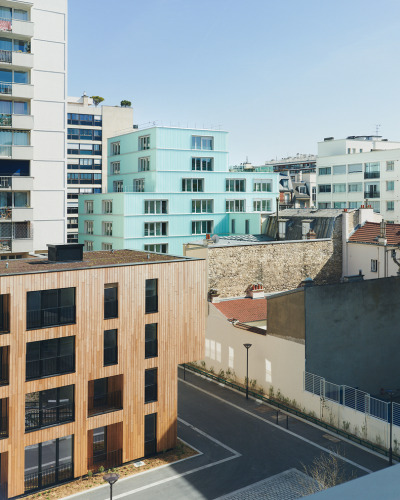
x: 188, y: 203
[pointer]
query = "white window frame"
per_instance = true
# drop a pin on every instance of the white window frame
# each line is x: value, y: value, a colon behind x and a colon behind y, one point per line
x: 374, y: 266
x: 107, y: 228
x: 154, y: 229
x: 193, y: 185
x: 107, y: 246
x: 155, y: 206
x: 144, y: 142
x: 391, y: 206
x: 118, y: 186
x: 88, y: 206
x: 88, y: 246
x: 204, y: 162
x: 203, y: 205
x: 144, y: 164
x: 156, y: 247
x: 262, y: 185
x: 262, y: 205
x: 107, y: 206
x: 115, y: 167
x: 234, y: 206
x: 88, y: 226
x: 199, y: 142
x: 389, y: 185
x: 115, y: 148
x: 390, y: 165
x: 231, y: 186
x: 138, y: 185
x: 201, y: 226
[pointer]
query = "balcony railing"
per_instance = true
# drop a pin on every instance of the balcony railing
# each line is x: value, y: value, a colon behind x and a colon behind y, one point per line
x: 372, y: 175
x: 49, y: 477
x: 5, y: 56
x: 5, y: 88
x: 51, y: 415
x: 50, y: 366
x: 371, y: 194
x: 3, y: 427
x: 5, y: 120
x: 5, y: 213
x: 53, y: 316
x: 107, y: 460
x: 104, y: 403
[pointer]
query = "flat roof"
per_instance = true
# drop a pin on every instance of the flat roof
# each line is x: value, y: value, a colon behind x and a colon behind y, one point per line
x: 100, y: 259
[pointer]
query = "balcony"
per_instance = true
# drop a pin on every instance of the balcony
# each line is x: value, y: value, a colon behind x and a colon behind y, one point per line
x: 17, y: 183
x: 22, y: 152
x: 53, y: 316
x: 24, y: 122
x: 22, y: 59
x: 21, y: 90
x: 21, y: 214
x: 50, y: 415
x: 104, y: 403
x: 49, y: 477
x: 5, y: 120
x: 371, y: 194
x: 22, y: 28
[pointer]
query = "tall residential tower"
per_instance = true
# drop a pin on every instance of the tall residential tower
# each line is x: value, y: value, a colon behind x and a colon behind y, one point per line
x: 33, y: 71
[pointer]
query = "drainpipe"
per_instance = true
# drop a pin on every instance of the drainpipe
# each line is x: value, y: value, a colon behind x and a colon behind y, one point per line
x: 277, y: 219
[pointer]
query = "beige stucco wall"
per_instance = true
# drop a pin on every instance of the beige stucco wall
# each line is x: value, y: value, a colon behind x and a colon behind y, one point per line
x: 273, y: 362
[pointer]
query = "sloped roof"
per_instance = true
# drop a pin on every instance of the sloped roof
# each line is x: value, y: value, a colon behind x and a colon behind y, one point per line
x: 244, y: 310
x: 370, y: 231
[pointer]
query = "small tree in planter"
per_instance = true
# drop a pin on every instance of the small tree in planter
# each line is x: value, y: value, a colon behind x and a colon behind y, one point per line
x: 126, y: 104
x: 97, y: 99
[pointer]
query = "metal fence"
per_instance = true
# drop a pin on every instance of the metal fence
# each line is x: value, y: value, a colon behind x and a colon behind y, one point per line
x: 352, y: 398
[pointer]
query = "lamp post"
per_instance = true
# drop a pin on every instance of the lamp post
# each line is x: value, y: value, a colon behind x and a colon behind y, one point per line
x: 111, y: 478
x: 247, y: 346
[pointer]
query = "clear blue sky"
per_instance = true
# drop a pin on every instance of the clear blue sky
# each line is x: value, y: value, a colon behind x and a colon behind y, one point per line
x: 278, y: 75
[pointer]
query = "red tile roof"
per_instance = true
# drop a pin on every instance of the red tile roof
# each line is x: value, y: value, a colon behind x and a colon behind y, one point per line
x: 244, y: 310
x: 371, y: 230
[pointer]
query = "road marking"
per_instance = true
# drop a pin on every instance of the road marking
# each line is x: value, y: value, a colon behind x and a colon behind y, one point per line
x: 235, y: 454
x: 326, y: 450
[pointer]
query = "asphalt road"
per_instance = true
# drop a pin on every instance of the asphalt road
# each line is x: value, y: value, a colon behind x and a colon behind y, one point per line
x: 240, y: 444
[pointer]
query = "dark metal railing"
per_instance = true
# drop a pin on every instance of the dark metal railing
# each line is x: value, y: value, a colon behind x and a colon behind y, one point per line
x: 103, y: 403
x: 54, y: 316
x: 371, y: 194
x: 49, y: 477
x: 108, y: 460
x: 5, y: 120
x: 372, y: 175
x: 5, y: 88
x: 36, y: 418
x: 50, y: 366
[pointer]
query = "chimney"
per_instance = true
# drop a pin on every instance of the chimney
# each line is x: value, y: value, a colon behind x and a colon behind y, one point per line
x: 311, y: 235
x: 255, y: 291
x: 382, y: 235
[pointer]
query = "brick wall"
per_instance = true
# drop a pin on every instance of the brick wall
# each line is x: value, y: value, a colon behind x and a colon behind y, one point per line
x: 277, y: 265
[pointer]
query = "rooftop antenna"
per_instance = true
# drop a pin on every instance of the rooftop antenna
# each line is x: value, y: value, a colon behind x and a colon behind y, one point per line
x: 377, y: 127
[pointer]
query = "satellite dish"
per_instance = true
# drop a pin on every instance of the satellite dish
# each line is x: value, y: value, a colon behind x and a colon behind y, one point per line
x: 215, y: 238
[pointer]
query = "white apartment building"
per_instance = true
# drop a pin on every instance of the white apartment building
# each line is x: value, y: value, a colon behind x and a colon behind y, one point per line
x: 33, y: 73
x: 357, y: 171
x: 89, y: 127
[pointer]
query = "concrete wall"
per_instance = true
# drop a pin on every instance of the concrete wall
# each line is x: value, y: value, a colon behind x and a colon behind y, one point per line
x: 352, y: 333
x: 286, y: 315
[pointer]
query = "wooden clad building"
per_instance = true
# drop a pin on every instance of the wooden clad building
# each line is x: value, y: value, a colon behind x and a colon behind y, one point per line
x: 89, y: 352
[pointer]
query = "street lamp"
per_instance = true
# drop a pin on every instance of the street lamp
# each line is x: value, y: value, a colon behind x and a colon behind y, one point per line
x: 111, y: 478
x: 247, y: 346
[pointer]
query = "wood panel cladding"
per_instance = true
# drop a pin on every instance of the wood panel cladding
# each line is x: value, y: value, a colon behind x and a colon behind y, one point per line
x: 181, y: 320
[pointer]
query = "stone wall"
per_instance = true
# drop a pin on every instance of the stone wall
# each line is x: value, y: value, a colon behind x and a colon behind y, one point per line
x: 278, y: 266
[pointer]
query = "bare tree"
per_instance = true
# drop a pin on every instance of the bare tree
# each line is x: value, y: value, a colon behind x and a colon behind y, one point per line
x: 326, y: 470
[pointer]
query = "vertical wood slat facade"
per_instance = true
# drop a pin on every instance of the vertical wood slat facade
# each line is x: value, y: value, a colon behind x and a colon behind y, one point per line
x: 181, y: 320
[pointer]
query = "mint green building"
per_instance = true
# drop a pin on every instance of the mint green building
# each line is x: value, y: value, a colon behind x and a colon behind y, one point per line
x: 169, y: 186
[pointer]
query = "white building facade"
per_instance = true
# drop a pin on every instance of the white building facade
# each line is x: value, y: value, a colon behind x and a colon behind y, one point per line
x: 89, y: 127
x: 33, y: 75
x: 359, y: 171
